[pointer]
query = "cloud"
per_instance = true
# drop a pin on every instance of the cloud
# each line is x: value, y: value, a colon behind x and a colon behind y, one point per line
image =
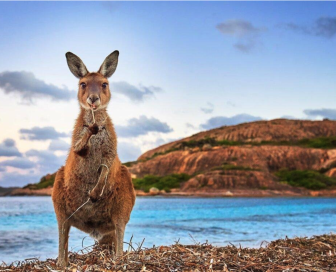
x: 238, y: 28
x: 231, y: 104
x: 142, y: 126
x: 324, y: 113
x: 243, y: 31
x: 16, y: 179
x: 8, y: 149
x: 58, y: 145
x: 219, y: 121
x: 41, y: 134
x: 323, y: 27
x: 20, y: 163
x: 191, y: 126
x: 111, y: 6
x: 47, y: 161
x: 290, y: 117
x: 33, y: 166
x: 245, y: 46
x: 28, y: 87
x: 153, y: 143
x: 136, y: 94
x: 208, y: 109
x: 128, y: 151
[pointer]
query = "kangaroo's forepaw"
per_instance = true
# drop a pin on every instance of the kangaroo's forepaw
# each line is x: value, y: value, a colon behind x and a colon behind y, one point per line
x: 94, y: 128
x: 93, y: 197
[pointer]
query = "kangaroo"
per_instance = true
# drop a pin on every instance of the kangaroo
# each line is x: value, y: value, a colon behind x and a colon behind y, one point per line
x: 93, y: 191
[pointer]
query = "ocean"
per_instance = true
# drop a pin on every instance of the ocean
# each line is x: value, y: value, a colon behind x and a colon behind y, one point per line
x: 28, y: 226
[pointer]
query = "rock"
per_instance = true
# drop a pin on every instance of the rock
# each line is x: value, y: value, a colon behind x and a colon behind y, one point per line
x: 195, y: 149
x: 331, y: 173
x: 207, y: 147
x: 154, y: 191
x: 211, y: 182
x: 228, y: 193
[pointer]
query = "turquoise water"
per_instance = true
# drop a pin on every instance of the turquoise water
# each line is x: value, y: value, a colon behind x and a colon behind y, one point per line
x: 28, y: 226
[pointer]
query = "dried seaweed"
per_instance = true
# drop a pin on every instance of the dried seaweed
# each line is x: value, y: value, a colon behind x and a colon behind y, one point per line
x: 299, y: 254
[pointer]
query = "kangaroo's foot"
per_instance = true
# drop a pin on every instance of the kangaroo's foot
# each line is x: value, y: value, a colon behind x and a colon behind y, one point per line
x: 62, y: 263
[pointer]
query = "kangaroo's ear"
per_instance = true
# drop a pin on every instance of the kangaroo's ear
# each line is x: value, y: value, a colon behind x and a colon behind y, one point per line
x: 76, y: 65
x: 110, y: 64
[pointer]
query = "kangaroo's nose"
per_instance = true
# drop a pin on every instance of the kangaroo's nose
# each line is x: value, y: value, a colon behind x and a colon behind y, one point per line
x: 93, y: 99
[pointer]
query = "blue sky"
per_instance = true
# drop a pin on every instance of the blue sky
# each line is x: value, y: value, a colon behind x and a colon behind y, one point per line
x: 183, y: 67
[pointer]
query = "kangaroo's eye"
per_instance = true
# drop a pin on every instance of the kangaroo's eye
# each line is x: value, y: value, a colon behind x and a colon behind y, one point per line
x: 83, y: 85
x: 104, y: 85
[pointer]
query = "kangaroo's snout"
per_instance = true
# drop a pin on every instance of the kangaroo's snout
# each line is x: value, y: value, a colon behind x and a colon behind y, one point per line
x: 93, y: 98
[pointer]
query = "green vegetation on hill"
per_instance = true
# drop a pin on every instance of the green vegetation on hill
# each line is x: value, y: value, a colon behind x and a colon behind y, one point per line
x: 309, y: 179
x: 130, y: 163
x: 199, y: 143
x: 227, y: 166
x: 162, y: 183
x: 319, y: 142
x: 45, y: 182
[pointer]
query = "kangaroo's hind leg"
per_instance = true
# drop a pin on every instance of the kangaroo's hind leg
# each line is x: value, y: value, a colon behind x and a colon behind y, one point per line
x: 120, y: 231
x: 63, y: 225
x: 109, y: 240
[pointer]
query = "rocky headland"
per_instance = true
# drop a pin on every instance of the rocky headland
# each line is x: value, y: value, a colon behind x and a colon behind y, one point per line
x: 266, y: 158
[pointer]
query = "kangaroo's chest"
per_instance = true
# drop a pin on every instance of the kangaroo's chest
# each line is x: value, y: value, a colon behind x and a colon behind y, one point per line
x: 98, y: 152
x: 94, y: 219
x: 99, y: 142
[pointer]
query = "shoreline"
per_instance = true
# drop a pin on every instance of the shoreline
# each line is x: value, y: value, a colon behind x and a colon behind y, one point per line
x: 233, y: 193
x: 197, y: 196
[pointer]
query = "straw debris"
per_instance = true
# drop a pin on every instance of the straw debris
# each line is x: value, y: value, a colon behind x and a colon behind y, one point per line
x: 299, y: 254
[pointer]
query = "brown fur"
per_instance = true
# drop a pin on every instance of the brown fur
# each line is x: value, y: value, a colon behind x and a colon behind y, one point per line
x: 107, y: 212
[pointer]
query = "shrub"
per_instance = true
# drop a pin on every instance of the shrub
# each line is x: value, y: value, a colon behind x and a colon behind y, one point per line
x: 321, y: 142
x: 230, y: 143
x: 199, y: 143
x: 162, y: 183
x: 309, y: 179
x: 130, y: 163
x: 226, y: 166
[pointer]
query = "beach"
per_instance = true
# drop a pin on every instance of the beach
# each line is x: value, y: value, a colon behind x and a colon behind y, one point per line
x: 28, y: 226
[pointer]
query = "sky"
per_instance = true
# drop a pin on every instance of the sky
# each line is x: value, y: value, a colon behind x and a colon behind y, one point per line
x: 183, y: 67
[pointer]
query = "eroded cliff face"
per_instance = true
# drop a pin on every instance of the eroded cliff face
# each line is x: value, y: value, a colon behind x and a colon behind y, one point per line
x: 277, y: 130
x: 256, y: 162
x: 263, y: 158
x: 215, y: 168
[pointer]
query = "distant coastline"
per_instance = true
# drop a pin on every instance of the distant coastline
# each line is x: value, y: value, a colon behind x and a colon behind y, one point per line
x: 177, y: 193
